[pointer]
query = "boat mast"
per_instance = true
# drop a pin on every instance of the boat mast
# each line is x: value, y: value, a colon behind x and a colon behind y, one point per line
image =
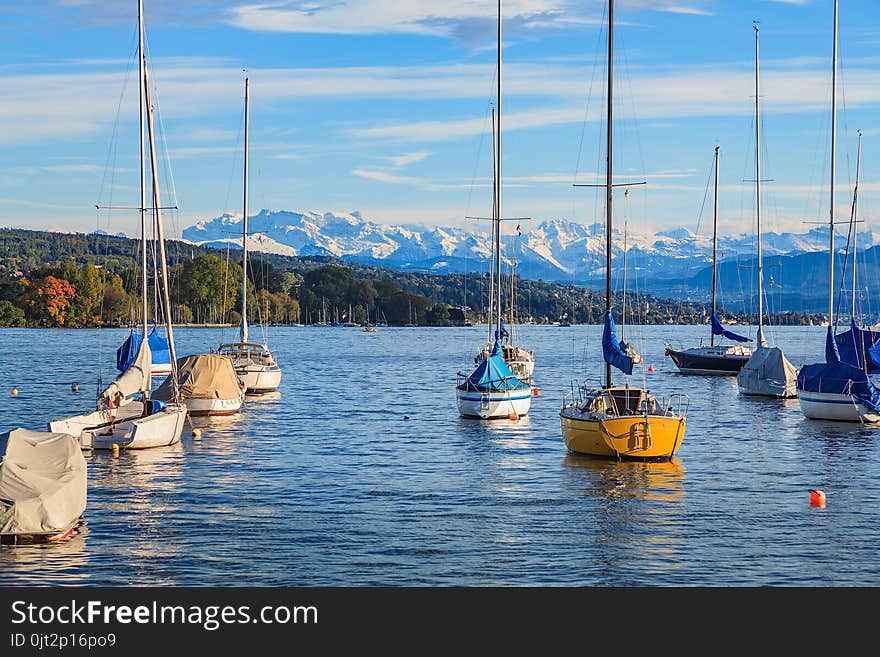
x: 833, y: 143
x: 608, y: 186
x: 489, y: 320
x: 160, y: 234
x: 761, y: 341
x: 143, y: 209
x: 715, y: 242
x: 244, y: 276
x: 498, y: 186
x: 853, y: 221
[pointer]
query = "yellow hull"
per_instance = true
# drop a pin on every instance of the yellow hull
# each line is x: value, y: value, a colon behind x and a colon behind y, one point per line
x: 631, y: 437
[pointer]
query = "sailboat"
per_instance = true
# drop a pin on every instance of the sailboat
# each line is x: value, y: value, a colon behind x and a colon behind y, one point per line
x: 493, y: 390
x: 724, y: 359
x: 126, y: 416
x: 839, y: 388
x: 767, y: 373
x: 253, y: 362
x: 619, y: 421
x: 520, y: 360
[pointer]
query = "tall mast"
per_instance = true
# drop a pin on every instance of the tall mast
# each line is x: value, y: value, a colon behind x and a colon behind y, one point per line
x: 760, y: 338
x: 855, y: 206
x: 833, y: 144
x: 490, y: 320
x: 715, y: 241
x: 160, y: 235
x: 498, y: 187
x: 608, y: 186
x: 142, y: 68
x: 244, y: 276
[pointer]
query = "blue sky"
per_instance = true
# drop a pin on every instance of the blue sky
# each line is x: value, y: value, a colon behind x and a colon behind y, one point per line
x: 382, y: 106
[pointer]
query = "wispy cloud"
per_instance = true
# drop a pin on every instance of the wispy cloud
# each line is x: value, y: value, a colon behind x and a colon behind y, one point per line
x: 287, y: 156
x: 383, y: 176
x: 399, y: 161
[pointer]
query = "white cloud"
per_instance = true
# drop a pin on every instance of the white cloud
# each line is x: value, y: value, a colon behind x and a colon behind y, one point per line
x: 399, y: 161
x: 383, y: 176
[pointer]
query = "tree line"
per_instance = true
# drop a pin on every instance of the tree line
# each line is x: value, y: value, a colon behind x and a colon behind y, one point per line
x: 94, y: 280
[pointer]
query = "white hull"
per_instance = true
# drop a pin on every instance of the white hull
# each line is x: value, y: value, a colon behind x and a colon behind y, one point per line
x: 162, y: 369
x: 492, y: 405
x: 834, y: 406
x: 213, y: 406
x: 259, y: 378
x: 78, y: 423
x: 130, y: 432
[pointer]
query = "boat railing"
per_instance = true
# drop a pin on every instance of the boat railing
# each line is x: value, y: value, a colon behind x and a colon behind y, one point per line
x: 678, y: 402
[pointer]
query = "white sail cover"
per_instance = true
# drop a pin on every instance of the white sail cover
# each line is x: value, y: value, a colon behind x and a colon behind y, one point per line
x: 769, y: 373
x: 138, y: 377
x: 42, y: 482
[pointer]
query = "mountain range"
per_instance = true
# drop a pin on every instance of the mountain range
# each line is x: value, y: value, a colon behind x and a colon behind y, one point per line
x: 679, y: 260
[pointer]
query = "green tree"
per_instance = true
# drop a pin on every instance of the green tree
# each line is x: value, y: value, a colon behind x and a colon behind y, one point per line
x: 117, y: 302
x: 209, y: 286
x: 11, y: 315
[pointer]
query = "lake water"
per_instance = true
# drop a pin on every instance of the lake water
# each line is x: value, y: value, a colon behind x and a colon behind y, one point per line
x: 360, y: 472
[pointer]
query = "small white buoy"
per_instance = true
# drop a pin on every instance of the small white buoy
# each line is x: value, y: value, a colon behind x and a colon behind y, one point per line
x: 197, y: 433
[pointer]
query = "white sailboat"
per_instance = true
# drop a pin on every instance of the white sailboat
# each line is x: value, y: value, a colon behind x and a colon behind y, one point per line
x: 253, y: 361
x: 840, y: 388
x: 493, y: 390
x: 520, y: 360
x: 767, y: 373
x: 126, y: 416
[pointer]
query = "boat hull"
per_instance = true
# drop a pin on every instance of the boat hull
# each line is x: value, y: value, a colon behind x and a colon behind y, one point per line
x: 259, y: 379
x: 493, y: 405
x: 708, y: 361
x: 32, y: 539
x: 834, y: 406
x: 128, y: 429
x: 202, y: 406
x: 637, y: 437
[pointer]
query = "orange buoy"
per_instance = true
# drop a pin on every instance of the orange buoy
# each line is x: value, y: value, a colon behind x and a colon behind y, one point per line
x: 817, y: 498
x: 512, y: 417
x: 536, y: 392
x: 13, y: 392
x: 650, y: 368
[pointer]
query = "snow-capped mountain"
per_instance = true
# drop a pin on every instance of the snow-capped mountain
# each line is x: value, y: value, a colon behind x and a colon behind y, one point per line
x: 556, y: 250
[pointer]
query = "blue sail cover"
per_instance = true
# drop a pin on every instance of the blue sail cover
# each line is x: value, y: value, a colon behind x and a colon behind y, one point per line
x: 611, y: 351
x: 837, y: 377
x: 859, y: 347
x: 127, y: 351
x: 718, y: 329
x: 493, y: 374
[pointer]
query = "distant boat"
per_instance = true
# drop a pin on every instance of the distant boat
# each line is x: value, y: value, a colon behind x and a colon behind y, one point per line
x: 714, y: 359
x: 494, y: 389
x: 767, y: 373
x: 126, y: 416
x: 253, y: 361
x: 43, y: 486
x: 619, y: 421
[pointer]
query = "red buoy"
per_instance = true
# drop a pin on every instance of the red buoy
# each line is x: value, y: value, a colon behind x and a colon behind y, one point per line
x: 650, y: 368
x: 817, y: 498
x: 512, y: 417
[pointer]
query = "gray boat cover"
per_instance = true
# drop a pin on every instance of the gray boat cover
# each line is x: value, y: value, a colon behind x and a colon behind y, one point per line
x: 201, y: 376
x: 42, y: 482
x: 768, y: 372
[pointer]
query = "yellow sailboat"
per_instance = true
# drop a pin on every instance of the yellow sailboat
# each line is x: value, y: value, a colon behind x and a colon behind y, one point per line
x: 620, y: 421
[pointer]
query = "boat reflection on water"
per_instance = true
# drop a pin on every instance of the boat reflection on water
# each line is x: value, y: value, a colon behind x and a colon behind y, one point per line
x: 513, y: 432
x: 641, y: 523
x: 58, y: 563
x: 661, y: 481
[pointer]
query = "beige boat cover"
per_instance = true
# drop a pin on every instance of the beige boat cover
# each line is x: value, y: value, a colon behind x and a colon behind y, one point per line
x: 42, y: 482
x: 137, y: 378
x: 201, y: 376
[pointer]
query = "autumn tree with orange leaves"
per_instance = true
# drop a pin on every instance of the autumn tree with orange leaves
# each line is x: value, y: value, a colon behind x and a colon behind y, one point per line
x: 48, y: 298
